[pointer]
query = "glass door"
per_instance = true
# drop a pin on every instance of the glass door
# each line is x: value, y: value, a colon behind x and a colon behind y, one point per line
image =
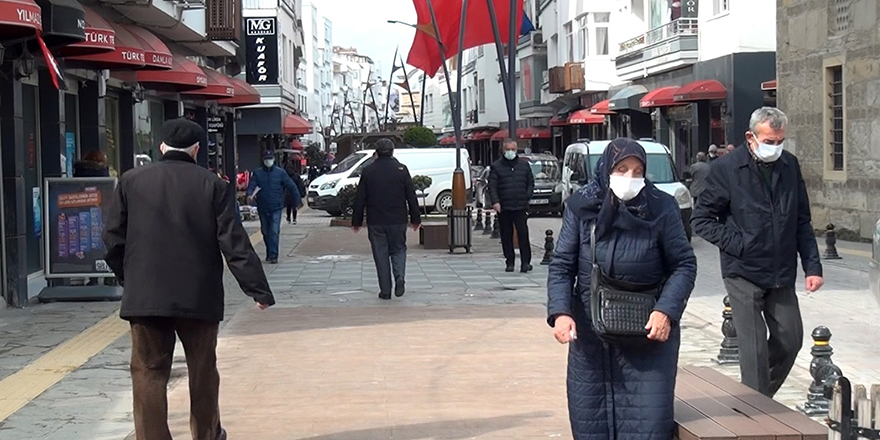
x: 33, y: 178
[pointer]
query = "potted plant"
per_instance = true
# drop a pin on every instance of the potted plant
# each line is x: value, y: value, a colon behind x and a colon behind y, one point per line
x: 421, y: 184
x: 346, y: 196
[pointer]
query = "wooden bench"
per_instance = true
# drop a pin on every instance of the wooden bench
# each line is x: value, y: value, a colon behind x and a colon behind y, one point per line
x: 711, y: 405
x: 434, y: 235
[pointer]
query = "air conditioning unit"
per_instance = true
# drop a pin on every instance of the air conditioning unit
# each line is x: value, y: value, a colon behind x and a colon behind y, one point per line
x: 537, y: 38
x: 574, y: 76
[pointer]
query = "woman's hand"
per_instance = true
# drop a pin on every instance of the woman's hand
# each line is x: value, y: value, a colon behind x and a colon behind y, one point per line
x: 658, y: 327
x: 563, y: 329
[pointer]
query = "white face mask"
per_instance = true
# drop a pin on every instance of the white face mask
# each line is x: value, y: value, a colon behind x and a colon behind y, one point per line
x: 269, y: 163
x: 767, y: 152
x: 509, y: 154
x: 626, y: 188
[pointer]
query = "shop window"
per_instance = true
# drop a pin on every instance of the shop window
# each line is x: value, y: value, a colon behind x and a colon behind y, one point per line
x: 835, y: 120
x: 720, y: 6
x: 716, y: 122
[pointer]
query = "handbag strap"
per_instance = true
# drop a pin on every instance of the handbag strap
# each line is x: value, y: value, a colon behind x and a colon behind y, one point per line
x: 593, y: 242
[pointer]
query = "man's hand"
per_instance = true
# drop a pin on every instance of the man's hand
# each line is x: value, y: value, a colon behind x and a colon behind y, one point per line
x: 250, y: 200
x: 814, y: 283
x: 262, y: 306
x: 356, y: 229
x: 658, y: 327
x: 416, y: 227
x: 564, y: 329
x: 497, y: 207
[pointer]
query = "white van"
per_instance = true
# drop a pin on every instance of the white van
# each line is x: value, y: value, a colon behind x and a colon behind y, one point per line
x: 436, y: 163
x: 581, y: 159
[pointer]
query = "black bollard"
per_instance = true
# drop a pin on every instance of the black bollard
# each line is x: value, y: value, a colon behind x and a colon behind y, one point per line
x: 548, y: 248
x: 479, y: 225
x: 824, y: 373
x: 496, y: 233
x: 488, y: 228
x: 729, y: 352
x: 830, y: 243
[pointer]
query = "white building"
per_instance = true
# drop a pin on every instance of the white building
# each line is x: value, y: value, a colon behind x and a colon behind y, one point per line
x: 356, y: 82
x: 315, y: 80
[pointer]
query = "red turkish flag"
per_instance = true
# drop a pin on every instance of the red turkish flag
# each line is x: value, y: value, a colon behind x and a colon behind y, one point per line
x: 425, y: 54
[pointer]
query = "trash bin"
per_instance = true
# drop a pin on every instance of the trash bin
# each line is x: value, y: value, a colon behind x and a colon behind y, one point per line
x: 460, y: 234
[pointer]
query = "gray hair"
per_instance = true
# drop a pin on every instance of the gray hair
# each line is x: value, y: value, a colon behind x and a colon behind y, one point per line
x: 191, y: 150
x: 507, y: 142
x: 771, y: 115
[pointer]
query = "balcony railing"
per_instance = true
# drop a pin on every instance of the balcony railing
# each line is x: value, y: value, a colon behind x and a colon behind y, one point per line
x: 675, y: 28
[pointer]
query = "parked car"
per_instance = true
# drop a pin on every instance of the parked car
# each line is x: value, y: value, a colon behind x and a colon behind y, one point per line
x: 436, y: 163
x: 547, y: 197
x: 581, y: 159
x: 874, y: 265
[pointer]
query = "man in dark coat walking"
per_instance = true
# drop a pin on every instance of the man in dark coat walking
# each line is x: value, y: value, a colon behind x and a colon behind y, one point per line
x: 698, y: 171
x: 292, y: 170
x: 386, y: 192
x: 268, y: 184
x: 511, y: 184
x: 756, y: 210
x: 170, y: 225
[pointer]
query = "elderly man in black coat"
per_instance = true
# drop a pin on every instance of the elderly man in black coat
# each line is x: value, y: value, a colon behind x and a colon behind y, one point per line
x: 511, y: 184
x: 170, y: 225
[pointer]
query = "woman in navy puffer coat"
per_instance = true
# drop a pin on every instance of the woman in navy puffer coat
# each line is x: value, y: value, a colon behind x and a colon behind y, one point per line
x: 618, y: 391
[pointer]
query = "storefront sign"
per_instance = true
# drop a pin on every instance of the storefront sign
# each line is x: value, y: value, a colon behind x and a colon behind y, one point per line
x: 689, y: 8
x: 262, y: 50
x: 215, y: 124
x: 75, y: 213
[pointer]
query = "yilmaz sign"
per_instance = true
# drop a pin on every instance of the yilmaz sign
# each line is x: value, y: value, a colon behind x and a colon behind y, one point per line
x: 261, y: 50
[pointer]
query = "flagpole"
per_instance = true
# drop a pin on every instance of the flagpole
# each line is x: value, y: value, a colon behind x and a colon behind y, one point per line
x: 408, y: 88
x: 500, y: 52
x: 390, y: 82
x: 511, y: 72
x: 422, y: 106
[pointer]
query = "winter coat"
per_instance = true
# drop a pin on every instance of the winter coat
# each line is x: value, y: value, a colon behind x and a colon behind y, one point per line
x: 618, y: 392
x: 698, y: 172
x: 385, y: 191
x: 760, y: 231
x: 511, y: 184
x: 86, y: 168
x: 289, y: 199
x: 272, y: 183
x: 169, y: 226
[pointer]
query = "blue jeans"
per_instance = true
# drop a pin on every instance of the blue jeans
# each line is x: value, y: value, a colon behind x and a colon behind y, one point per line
x: 270, y: 226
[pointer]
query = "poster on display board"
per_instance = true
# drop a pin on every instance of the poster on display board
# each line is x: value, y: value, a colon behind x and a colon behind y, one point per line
x: 75, y: 212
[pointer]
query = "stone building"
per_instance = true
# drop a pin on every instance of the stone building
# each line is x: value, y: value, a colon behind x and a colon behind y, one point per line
x: 828, y: 82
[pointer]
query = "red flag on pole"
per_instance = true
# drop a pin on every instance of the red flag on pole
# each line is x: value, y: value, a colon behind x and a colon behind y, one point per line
x: 57, y: 76
x: 424, y: 53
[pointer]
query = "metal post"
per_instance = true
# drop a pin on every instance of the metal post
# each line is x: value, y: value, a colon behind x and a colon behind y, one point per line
x: 511, y: 72
x: 548, y: 248
x: 729, y: 352
x: 825, y: 373
x: 422, y: 107
x: 500, y: 52
x: 830, y: 244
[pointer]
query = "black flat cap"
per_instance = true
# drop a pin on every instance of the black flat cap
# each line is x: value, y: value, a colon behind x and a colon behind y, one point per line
x: 384, y: 146
x: 181, y: 133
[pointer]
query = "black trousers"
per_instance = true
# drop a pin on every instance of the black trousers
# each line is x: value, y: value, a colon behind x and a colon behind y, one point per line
x: 507, y: 220
x: 388, y: 243
x: 765, y: 361
x: 291, y: 212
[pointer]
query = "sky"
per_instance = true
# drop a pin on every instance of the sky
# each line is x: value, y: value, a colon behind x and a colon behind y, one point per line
x: 364, y: 25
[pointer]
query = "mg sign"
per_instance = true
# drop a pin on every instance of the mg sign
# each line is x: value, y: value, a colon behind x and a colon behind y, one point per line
x: 261, y: 26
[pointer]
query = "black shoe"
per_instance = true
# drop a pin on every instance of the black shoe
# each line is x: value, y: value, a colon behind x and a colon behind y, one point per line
x: 399, y: 288
x: 509, y: 268
x: 273, y: 260
x: 222, y: 434
x: 385, y: 296
x: 526, y: 268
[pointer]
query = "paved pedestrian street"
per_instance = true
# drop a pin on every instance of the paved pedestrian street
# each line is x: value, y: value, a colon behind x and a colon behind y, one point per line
x: 466, y: 353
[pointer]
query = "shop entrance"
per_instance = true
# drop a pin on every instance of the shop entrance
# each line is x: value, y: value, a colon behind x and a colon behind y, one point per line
x: 33, y: 178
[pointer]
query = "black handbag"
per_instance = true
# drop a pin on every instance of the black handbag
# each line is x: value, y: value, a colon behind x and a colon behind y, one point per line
x: 619, y: 309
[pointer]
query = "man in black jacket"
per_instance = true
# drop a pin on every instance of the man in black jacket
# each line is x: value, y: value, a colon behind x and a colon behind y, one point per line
x: 511, y: 184
x: 170, y: 225
x: 386, y: 192
x: 756, y: 210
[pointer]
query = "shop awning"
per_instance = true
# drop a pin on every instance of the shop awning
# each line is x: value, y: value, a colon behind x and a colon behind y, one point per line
x: 705, y: 90
x: 62, y: 22
x: 557, y: 121
x: 19, y: 19
x: 447, y: 140
x: 601, y: 108
x: 295, y: 144
x: 627, y: 98
x: 100, y: 37
x: 768, y: 85
x: 156, y: 53
x: 662, y: 97
x: 585, y: 117
x: 184, y: 75
x: 245, y: 94
x: 524, y: 133
x: 296, y: 124
x: 126, y: 54
x: 568, y: 109
x: 482, y: 135
x: 218, y: 87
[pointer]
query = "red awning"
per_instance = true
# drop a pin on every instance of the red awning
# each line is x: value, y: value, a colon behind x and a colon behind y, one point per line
x: 184, y: 75
x: 500, y: 135
x: 601, y: 108
x: 705, y: 90
x: 218, y: 87
x: 245, y: 94
x: 662, y: 97
x: 295, y: 144
x: 126, y: 54
x: 524, y: 133
x: 156, y: 53
x: 296, y: 124
x: 768, y: 85
x: 586, y: 117
x: 556, y: 121
x: 100, y: 37
x: 447, y: 140
x: 482, y: 135
x: 19, y: 19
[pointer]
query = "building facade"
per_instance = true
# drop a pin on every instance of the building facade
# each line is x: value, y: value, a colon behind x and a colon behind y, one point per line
x: 315, y: 82
x: 357, y: 92
x: 828, y: 85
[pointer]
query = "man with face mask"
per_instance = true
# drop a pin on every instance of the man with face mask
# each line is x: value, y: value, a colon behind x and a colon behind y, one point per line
x: 756, y: 210
x: 269, y: 183
x: 510, y: 189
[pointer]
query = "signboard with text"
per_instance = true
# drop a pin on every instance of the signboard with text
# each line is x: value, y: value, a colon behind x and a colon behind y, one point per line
x: 75, y: 212
x: 689, y: 9
x: 261, y: 50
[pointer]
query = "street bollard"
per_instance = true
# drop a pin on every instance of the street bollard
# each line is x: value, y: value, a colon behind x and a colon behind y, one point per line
x: 729, y: 352
x: 824, y: 373
x: 831, y: 243
x: 479, y: 225
x: 548, y: 247
x: 488, y: 228
x: 496, y: 233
